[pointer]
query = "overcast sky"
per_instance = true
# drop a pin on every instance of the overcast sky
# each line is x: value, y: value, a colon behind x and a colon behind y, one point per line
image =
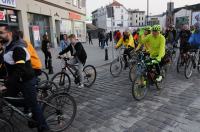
x: 156, y: 6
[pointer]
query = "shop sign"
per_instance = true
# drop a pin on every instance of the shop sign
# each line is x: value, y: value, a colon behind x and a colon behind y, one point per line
x: 2, y: 15
x: 11, y: 3
x: 36, y: 35
x: 74, y: 16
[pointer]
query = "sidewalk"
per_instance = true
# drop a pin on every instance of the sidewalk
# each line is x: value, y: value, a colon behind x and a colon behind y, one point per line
x: 95, y: 55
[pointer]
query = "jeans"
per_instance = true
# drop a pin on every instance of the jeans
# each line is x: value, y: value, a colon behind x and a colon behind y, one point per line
x: 102, y: 44
x: 80, y: 68
x: 29, y: 92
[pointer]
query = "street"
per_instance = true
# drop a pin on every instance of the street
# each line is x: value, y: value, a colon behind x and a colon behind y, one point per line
x: 108, y: 106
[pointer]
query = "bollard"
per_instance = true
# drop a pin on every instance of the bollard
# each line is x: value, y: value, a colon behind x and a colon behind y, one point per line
x: 106, y: 53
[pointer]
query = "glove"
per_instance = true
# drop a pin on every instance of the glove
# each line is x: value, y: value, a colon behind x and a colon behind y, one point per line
x: 155, y: 61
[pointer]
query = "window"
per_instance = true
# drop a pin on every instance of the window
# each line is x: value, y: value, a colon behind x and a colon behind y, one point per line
x: 131, y: 18
x: 113, y: 23
x: 131, y: 24
x: 122, y: 17
x: 75, y: 2
x: 139, y: 18
x: 79, y: 4
x: 136, y: 21
x: 136, y: 16
x: 83, y: 2
x: 142, y: 18
x: 139, y: 23
x: 122, y: 10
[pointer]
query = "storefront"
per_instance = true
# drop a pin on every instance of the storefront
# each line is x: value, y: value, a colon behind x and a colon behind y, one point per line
x: 79, y: 30
x: 8, y: 14
x: 39, y: 25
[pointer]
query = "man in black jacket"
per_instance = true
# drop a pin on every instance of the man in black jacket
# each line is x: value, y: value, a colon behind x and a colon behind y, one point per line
x: 21, y: 76
x: 78, y: 52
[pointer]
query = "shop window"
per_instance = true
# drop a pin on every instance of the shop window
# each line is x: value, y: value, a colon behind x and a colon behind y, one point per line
x: 79, y: 3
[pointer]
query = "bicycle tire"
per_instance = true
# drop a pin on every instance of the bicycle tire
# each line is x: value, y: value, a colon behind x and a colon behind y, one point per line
x: 135, y: 87
x: 59, y: 113
x: 189, y: 63
x: 178, y: 66
x: 64, y: 77
x: 6, y: 125
x: 132, y: 72
x: 87, y: 75
x: 118, y: 60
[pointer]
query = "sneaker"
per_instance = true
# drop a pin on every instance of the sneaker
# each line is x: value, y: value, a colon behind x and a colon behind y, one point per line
x: 81, y: 86
x: 159, y: 79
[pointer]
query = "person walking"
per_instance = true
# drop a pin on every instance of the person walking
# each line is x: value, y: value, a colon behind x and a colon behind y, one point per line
x: 90, y: 38
x: 47, y: 53
x: 64, y: 43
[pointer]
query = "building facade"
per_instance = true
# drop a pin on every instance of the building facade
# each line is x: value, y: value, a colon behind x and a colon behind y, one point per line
x: 38, y: 17
x: 119, y: 21
x: 136, y: 18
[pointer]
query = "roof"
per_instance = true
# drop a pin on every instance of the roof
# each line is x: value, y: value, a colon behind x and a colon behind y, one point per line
x: 115, y: 3
x: 91, y: 26
x: 195, y: 7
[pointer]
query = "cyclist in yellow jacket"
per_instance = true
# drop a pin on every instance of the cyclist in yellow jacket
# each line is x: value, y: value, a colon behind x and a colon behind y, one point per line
x: 157, y: 47
x: 145, y: 46
x: 128, y: 42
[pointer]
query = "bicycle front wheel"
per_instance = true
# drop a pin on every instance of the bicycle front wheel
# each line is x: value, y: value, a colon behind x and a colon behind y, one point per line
x: 5, y: 125
x: 132, y: 73
x: 188, y: 69
x: 62, y: 80
x: 89, y: 75
x: 140, y: 87
x: 60, y: 111
x: 116, y: 67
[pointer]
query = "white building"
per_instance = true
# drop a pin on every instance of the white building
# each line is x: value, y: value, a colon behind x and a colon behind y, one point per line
x: 158, y: 19
x: 120, y: 19
x: 136, y: 18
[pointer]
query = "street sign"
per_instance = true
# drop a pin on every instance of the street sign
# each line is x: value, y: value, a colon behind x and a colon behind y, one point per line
x: 11, y: 3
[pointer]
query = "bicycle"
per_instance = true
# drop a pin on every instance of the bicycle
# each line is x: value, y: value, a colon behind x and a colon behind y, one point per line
x: 145, y: 76
x: 6, y: 125
x: 56, y: 117
x: 182, y: 61
x: 63, y: 80
x: 117, y: 64
x: 192, y: 63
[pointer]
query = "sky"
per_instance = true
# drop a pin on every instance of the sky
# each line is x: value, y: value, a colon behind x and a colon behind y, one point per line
x: 156, y: 6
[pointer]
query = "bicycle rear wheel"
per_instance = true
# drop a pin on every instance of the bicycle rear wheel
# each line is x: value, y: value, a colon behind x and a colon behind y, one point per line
x: 60, y: 111
x: 89, y: 75
x: 188, y: 69
x: 5, y: 125
x: 140, y: 87
x: 62, y: 80
x: 116, y: 67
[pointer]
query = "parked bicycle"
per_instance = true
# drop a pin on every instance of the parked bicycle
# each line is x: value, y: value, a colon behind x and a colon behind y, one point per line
x: 117, y: 64
x: 63, y: 80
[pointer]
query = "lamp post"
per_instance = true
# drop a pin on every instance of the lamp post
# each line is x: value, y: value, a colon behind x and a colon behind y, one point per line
x: 147, y: 12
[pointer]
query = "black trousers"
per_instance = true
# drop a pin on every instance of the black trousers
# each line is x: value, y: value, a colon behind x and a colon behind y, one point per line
x: 127, y: 52
x: 47, y: 55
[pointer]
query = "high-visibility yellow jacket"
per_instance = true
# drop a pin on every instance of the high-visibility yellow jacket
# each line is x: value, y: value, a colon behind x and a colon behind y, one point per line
x: 157, y: 46
x: 146, y: 45
x: 127, y: 43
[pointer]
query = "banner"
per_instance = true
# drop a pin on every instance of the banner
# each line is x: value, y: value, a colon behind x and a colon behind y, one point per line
x: 11, y: 3
x: 36, y: 36
x: 195, y: 18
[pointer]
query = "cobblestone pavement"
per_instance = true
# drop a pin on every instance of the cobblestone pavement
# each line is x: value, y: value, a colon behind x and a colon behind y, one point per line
x: 108, y: 106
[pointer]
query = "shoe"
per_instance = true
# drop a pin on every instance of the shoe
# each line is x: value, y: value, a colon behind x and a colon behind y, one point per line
x: 159, y: 79
x: 81, y: 86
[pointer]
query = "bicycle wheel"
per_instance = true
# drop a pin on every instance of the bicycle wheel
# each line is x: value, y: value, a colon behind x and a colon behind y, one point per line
x: 59, y: 111
x: 62, y: 80
x: 46, y: 89
x: 180, y: 64
x: 140, y: 87
x: 188, y: 68
x: 132, y: 73
x: 5, y: 125
x: 44, y: 76
x: 116, y: 67
x: 198, y: 67
x: 90, y: 74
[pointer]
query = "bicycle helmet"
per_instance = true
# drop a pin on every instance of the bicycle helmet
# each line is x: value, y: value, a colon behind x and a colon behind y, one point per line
x: 156, y: 28
x: 147, y: 28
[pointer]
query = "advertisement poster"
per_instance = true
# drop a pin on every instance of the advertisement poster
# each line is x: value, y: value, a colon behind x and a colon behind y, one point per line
x: 2, y: 15
x: 195, y: 18
x: 36, y: 36
x: 180, y: 21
